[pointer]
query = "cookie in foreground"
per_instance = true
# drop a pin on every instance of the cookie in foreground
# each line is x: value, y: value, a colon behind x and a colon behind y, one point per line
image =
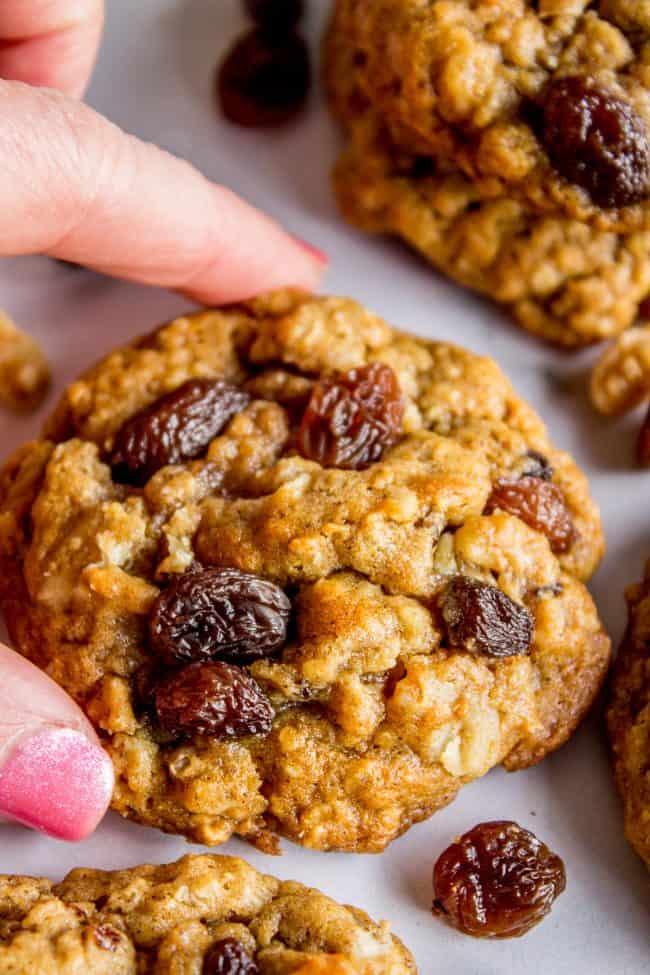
x: 213, y: 915
x: 628, y: 718
x: 306, y: 574
x: 509, y: 143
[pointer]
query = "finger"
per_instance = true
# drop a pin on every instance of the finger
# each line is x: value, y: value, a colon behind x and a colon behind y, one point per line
x: 50, y: 43
x: 75, y: 187
x: 54, y: 775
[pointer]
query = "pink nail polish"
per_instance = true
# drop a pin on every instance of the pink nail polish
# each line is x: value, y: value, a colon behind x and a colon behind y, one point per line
x: 56, y: 781
x: 320, y: 256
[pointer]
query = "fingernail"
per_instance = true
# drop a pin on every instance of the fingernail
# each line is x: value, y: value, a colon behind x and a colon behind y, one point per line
x: 320, y: 256
x: 56, y: 781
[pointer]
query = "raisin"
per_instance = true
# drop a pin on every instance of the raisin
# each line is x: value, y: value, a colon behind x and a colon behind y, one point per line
x: 176, y: 427
x: 643, y: 442
x: 644, y: 308
x: 496, y: 881
x: 106, y: 937
x: 218, y: 614
x: 352, y: 418
x: 597, y: 140
x: 229, y: 957
x: 214, y: 699
x: 482, y: 619
x: 264, y: 80
x: 275, y: 15
x: 540, y: 504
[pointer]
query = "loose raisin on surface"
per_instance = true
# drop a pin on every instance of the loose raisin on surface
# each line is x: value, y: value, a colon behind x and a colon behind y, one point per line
x: 643, y: 442
x: 275, y: 15
x: 175, y: 428
x: 352, y: 418
x: 264, y: 80
x: 597, y: 140
x: 482, y: 619
x: 218, y: 614
x: 496, y: 881
x: 229, y: 957
x: 540, y: 504
x: 213, y: 699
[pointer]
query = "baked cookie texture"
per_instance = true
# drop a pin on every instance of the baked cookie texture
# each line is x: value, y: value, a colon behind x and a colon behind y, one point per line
x: 166, y: 920
x: 628, y: 718
x: 444, y: 107
x: 379, y: 719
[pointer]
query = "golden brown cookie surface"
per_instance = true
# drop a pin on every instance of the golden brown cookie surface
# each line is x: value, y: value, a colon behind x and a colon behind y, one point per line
x: 628, y: 718
x: 464, y: 124
x: 185, y: 916
x: 438, y: 626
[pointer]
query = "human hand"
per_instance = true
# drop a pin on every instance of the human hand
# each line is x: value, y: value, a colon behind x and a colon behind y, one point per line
x: 75, y: 187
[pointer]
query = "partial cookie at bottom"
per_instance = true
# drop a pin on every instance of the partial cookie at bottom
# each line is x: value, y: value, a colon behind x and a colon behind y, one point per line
x: 164, y: 920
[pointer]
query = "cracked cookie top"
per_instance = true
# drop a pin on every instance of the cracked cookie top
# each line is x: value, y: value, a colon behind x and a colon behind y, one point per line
x: 306, y: 574
x: 202, y: 914
x: 548, y: 101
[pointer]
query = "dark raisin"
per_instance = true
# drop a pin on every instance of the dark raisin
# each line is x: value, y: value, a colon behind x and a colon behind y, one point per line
x: 264, y: 80
x: 422, y: 167
x: 275, y: 15
x: 229, y: 957
x: 214, y: 699
x: 218, y: 614
x: 537, y: 465
x: 540, y: 504
x: 644, y: 308
x: 496, y: 881
x: 175, y: 428
x: 352, y: 418
x: 597, y: 140
x: 106, y: 937
x: 643, y: 442
x: 482, y: 619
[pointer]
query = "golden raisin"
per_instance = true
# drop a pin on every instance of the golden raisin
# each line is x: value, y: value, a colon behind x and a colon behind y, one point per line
x: 540, y: 504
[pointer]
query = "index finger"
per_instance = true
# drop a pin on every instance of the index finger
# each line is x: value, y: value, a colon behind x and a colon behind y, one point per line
x: 50, y: 43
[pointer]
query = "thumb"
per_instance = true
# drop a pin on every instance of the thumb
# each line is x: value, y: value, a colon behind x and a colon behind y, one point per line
x: 54, y: 775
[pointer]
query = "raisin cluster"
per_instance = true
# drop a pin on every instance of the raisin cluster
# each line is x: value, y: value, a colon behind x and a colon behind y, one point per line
x: 265, y: 77
x: 208, y: 623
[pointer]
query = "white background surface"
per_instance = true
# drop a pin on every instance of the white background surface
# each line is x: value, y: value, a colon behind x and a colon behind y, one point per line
x: 155, y: 78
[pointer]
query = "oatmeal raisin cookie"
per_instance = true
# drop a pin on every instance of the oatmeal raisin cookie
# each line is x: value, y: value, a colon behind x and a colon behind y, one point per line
x: 306, y: 574
x: 509, y: 142
x: 203, y: 914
